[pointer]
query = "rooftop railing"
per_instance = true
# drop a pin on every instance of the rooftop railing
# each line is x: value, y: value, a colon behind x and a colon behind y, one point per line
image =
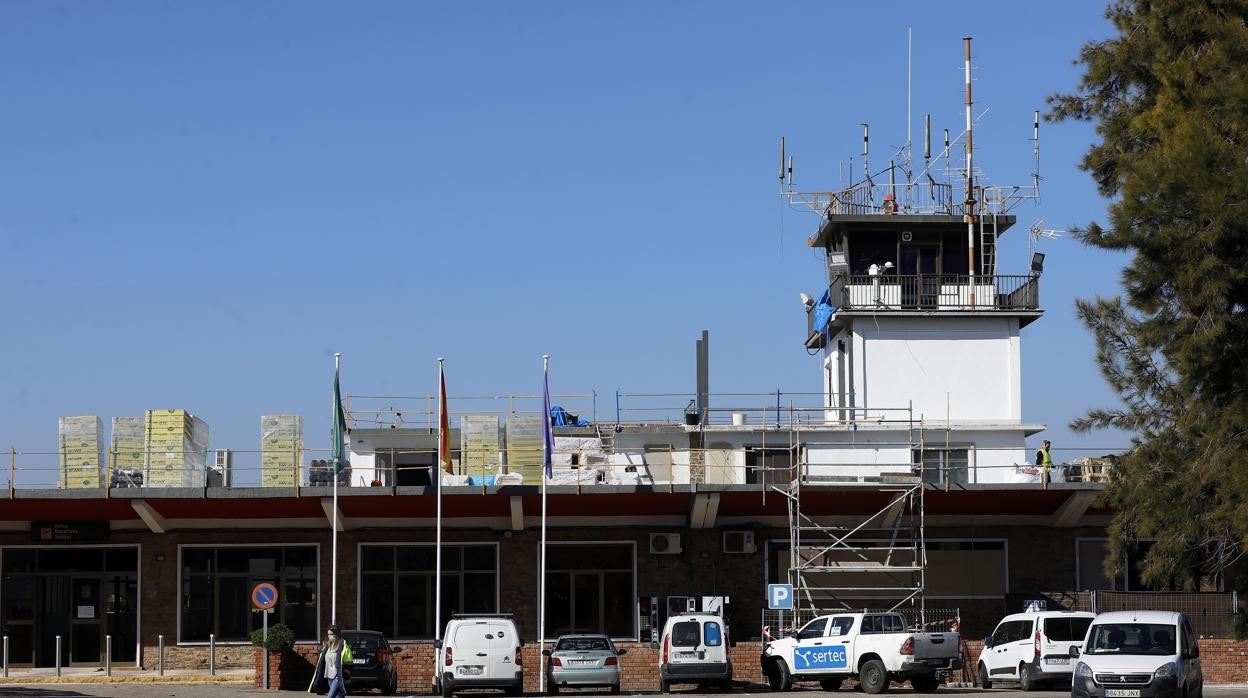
x: 772, y: 459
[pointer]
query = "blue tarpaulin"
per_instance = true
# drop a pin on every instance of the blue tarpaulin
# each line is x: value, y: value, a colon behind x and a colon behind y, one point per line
x: 561, y: 418
x: 824, y: 310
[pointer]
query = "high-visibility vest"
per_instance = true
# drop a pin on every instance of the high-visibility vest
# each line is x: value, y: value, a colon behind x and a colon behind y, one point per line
x: 1045, y: 458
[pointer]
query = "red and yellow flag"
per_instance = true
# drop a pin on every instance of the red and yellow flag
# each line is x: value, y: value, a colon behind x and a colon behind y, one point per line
x: 444, y: 427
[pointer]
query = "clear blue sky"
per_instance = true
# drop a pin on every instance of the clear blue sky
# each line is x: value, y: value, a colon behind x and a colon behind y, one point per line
x: 200, y: 202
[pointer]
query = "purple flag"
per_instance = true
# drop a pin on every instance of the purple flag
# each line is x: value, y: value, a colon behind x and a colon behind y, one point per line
x: 548, y: 437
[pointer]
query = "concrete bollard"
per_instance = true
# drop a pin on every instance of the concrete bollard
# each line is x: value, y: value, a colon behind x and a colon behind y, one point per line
x: 108, y: 655
x: 212, y: 654
x: 160, y: 655
x: 58, y: 655
x: 6, y: 656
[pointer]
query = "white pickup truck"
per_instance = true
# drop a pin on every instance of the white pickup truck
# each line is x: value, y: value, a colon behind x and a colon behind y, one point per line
x: 874, y: 647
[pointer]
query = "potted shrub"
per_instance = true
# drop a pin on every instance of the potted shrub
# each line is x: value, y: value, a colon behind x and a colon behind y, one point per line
x: 280, y: 641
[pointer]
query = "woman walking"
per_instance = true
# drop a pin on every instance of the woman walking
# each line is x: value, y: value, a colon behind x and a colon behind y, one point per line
x: 331, y: 665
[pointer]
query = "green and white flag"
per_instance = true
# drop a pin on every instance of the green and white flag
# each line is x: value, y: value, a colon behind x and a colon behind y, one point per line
x: 339, y: 439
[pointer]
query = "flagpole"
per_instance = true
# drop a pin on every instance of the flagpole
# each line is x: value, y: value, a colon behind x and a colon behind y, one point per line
x: 436, y: 472
x: 546, y: 459
x: 333, y: 580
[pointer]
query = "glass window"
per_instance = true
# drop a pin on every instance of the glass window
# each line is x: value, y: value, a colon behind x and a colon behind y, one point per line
x: 122, y: 560
x: 814, y: 628
x: 1064, y: 629
x: 589, y: 589
x: 217, y: 583
x: 397, y: 586
x: 71, y: 560
x: 841, y: 625
x: 714, y: 635
x: 17, y: 560
x: 686, y: 633
x: 941, y: 464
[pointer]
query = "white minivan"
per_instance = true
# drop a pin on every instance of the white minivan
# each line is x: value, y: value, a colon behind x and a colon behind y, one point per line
x: 479, y: 651
x: 694, y: 649
x: 1033, y: 648
x: 1138, y: 654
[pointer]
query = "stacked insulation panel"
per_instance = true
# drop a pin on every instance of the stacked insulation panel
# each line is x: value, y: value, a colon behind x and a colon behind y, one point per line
x: 127, y: 443
x: 81, y: 452
x: 126, y: 450
x: 281, y: 449
x: 175, y: 445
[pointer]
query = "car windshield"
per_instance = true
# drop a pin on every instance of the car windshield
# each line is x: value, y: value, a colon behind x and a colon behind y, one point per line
x: 1131, y: 638
x: 582, y: 644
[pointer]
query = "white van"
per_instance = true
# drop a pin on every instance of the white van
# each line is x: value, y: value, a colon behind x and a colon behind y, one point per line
x: 694, y: 649
x: 479, y: 651
x: 1138, y: 654
x: 1033, y: 648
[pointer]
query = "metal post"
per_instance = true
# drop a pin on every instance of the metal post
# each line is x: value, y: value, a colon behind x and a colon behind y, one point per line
x: 108, y: 655
x: 160, y: 655
x: 212, y: 654
x: 6, y: 657
x: 265, y: 644
x: 58, y: 655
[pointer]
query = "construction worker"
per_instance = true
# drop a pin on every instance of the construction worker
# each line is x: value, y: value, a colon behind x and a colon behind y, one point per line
x: 1044, y: 460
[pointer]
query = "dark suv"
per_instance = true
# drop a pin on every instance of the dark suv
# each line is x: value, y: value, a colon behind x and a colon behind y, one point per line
x: 373, y: 664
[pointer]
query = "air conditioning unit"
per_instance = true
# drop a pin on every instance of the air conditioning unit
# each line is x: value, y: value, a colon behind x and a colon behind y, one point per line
x: 664, y: 543
x: 222, y: 465
x: 739, y: 542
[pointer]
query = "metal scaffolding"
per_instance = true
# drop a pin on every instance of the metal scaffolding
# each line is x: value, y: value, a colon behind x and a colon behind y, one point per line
x: 876, y: 560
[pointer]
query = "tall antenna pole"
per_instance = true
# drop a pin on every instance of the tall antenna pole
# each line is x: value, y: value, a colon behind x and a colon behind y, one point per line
x: 1035, y: 138
x: 782, y: 163
x: 970, y: 180
x: 909, y: 62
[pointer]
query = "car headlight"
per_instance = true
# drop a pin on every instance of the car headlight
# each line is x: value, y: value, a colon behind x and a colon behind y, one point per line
x: 1164, y: 671
x: 1083, y: 670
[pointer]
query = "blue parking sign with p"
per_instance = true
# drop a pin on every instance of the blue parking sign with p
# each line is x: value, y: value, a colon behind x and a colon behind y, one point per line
x: 780, y: 597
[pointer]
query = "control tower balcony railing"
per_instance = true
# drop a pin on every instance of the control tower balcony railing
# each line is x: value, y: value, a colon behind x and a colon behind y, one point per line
x: 940, y: 292
x: 930, y: 293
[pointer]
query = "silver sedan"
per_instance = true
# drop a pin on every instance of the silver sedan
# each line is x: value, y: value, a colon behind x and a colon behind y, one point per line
x: 581, y: 661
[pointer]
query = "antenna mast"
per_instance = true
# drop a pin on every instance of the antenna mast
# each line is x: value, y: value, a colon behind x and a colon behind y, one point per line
x: 969, y: 215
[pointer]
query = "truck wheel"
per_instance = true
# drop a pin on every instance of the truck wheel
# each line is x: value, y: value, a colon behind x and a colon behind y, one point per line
x: 1024, y: 679
x: 664, y: 686
x: 984, y: 681
x: 778, y: 676
x: 925, y: 683
x: 447, y: 690
x: 873, y: 676
x: 830, y: 684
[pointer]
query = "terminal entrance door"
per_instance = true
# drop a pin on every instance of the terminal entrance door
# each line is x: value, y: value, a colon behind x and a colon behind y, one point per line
x: 79, y: 594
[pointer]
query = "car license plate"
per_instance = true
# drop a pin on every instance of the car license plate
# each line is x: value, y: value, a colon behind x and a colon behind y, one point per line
x: 359, y: 661
x: 470, y: 670
x: 686, y: 655
x: 1058, y: 660
x: 1122, y: 693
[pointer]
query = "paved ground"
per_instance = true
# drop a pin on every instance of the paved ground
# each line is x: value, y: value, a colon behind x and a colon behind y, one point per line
x: 166, y: 690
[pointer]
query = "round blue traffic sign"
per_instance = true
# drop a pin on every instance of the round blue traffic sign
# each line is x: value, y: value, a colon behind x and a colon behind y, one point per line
x: 264, y: 596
